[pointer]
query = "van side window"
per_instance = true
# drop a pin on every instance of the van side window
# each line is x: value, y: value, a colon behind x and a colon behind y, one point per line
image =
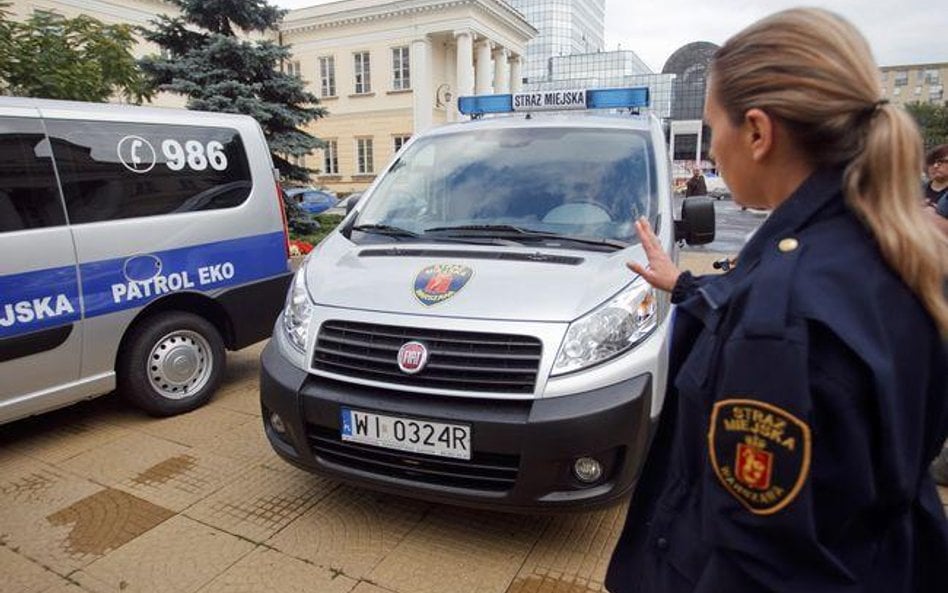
x: 29, y: 198
x: 113, y: 170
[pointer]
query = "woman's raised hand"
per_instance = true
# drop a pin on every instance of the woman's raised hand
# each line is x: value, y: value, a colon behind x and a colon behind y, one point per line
x: 661, y: 272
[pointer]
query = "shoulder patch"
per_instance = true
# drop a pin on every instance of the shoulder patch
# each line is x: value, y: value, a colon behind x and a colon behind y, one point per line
x: 760, y: 453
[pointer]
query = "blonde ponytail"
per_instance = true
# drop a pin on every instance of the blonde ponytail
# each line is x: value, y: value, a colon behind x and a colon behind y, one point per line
x: 814, y: 72
x: 882, y: 189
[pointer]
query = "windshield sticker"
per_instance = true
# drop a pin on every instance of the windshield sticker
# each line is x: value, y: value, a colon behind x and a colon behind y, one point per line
x: 438, y: 283
x: 139, y: 155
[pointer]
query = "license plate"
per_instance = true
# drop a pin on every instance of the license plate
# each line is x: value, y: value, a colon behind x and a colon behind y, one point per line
x: 407, y: 434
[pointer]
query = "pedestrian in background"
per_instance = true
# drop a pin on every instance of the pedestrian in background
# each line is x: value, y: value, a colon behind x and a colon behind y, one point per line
x: 808, y: 392
x: 936, y: 164
x: 696, y: 185
x: 936, y: 202
x: 936, y: 189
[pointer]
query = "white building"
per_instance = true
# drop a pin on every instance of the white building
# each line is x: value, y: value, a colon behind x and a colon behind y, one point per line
x: 387, y: 70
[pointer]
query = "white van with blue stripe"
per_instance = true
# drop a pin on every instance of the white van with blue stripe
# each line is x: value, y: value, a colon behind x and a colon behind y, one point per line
x: 136, y: 245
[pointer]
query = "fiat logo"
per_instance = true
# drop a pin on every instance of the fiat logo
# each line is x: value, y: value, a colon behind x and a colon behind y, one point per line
x: 412, y: 357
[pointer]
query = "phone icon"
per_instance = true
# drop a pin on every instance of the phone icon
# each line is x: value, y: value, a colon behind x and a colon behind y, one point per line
x: 136, y: 154
x: 136, y: 146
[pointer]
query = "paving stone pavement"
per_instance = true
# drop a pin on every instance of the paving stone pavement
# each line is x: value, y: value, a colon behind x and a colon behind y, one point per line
x: 100, y: 498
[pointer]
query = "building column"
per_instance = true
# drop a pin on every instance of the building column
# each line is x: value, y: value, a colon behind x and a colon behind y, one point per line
x: 516, y: 74
x: 421, y: 76
x: 501, y: 71
x: 451, y: 79
x: 465, y: 41
x: 482, y: 78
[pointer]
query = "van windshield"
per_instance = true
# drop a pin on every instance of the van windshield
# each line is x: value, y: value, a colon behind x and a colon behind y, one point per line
x: 576, y: 182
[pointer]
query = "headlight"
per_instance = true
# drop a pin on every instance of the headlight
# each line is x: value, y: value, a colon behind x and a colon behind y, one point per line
x: 610, y: 330
x: 298, y: 311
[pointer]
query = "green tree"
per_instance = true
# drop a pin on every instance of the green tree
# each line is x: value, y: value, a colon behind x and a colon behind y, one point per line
x: 932, y: 120
x: 204, y: 59
x: 81, y: 58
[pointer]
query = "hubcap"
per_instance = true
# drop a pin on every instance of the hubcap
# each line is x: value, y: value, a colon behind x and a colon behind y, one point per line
x: 180, y: 364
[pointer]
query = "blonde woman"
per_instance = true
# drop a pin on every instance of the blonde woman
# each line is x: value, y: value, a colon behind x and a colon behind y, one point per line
x: 808, y: 384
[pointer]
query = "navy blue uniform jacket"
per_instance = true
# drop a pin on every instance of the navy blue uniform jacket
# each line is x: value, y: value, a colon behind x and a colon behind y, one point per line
x: 808, y: 398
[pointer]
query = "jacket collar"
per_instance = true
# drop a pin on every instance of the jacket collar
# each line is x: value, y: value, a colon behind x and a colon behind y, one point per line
x: 821, y: 191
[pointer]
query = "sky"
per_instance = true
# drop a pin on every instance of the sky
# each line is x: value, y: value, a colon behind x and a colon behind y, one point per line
x: 899, y: 31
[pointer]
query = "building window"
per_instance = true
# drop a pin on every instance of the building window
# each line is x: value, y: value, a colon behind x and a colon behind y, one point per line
x: 363, y: 78
x: 364, y: 153
x: 331, y: 158
x: 901, y: 78
x: 401, y: 75
x: 327, y: 76
x: 918, y: 91
x: 297, y: 159
x: 400, y: 141
x: 936, y: 93
x: 897, y: 91
x: 932, y: 76
x: 293, y: 69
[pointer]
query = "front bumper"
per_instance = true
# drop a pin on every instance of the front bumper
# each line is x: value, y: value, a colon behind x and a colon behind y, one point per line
x: 522, y: 451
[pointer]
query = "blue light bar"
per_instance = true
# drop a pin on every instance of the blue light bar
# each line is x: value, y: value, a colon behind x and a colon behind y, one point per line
x: 481, y: 104
x: 618, y: 98
x: 628, y: 98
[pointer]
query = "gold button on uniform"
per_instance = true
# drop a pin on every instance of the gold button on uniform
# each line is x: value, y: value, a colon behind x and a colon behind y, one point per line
x: 788, y: 245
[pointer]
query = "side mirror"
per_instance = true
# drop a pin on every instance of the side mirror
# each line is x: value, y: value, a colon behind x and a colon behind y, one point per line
x: 353, y: 200
x: 696, y: 226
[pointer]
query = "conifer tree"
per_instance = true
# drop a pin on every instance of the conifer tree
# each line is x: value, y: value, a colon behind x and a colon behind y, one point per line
x: 219, y: 55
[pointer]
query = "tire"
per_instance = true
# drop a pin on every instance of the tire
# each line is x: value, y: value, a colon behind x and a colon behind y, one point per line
x: 172, y: 363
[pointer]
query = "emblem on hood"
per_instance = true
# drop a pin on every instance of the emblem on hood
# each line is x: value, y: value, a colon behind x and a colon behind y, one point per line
x: 438, y: 283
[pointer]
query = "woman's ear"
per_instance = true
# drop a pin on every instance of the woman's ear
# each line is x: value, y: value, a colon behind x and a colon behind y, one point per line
x: 759, y: 130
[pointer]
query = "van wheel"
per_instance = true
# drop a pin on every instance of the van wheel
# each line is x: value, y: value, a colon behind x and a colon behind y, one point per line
x: 172, y: 363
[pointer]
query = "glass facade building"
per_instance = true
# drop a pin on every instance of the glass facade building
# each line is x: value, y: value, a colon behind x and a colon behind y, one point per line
x: 566, y: 27
x: 611, y: 69
x: 567, y: 53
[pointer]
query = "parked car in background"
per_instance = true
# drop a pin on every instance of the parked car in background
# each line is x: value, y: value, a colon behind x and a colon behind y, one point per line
x: 312, y: 200
x: 342, y: 206
x: 717, y: 189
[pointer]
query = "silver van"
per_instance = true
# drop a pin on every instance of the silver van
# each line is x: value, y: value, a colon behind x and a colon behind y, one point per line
x: 471, y: 333
x: 136, y: 245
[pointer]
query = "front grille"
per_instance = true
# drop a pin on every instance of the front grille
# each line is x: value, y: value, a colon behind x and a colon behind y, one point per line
x: 485, y: 471
x: 464, y: 361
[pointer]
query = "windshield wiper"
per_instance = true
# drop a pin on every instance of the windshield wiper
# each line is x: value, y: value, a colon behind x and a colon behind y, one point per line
x: 480, y: 227
x: 384, y: 229
x: 394, y: 231
x: 519, y: 233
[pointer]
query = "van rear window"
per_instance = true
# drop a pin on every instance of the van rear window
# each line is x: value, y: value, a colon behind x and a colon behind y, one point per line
x: 112, y: 171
